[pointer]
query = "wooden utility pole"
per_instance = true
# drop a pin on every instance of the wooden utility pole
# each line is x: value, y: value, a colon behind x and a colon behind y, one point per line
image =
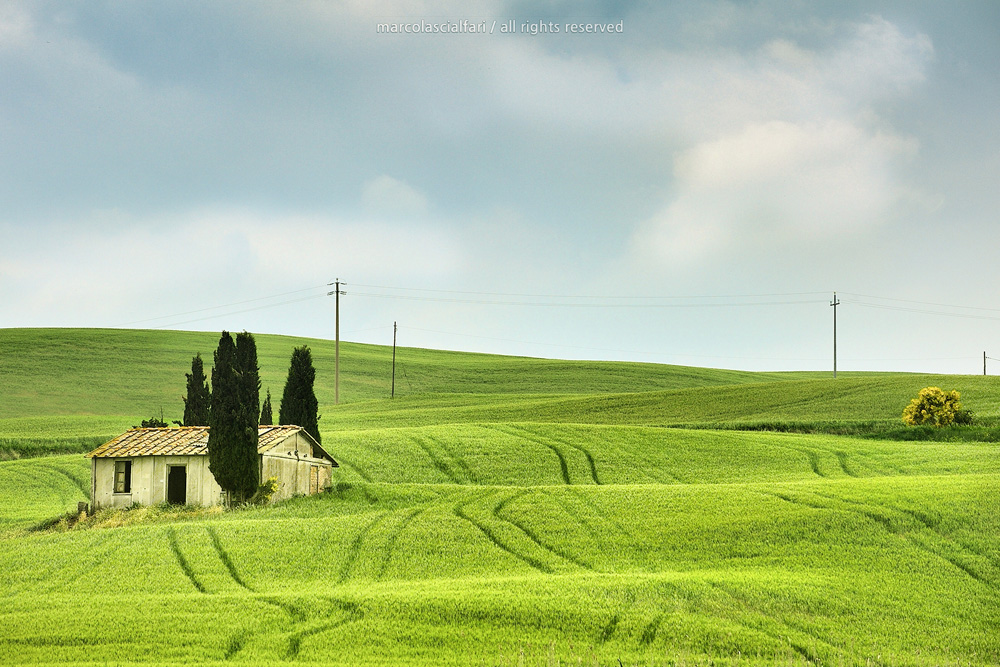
x: 984, y: 362
x: 393, y: 393
x: 834, y: 303
x: 336, y: 348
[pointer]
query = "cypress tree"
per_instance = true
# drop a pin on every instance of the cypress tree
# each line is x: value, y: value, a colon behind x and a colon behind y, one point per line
x: 232, y: 438
x: 298, y: 401
x: 197, y: 403
x: 266, y: 417
x: 222, y: 415
x: 248, y: 388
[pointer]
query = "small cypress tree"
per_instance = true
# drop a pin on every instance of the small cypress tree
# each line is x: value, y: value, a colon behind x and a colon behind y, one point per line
x: 266, y: 417
x: 298, y: 401
x: 198, y: 401
x: 232, y: 438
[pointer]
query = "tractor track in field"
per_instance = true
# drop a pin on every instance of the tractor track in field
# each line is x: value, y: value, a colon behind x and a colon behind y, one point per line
x: 649, y: 631
x: 299, y: 615
x: 470, y: 475
x: 355, y: 467
x: 390, y: 546
x: 522, y: 433
x: 591, y: 463
x: 295, y: 639
x: 354, y: 551
x: 175, y: 547
x: 500, y: 506
x: 842, y: 460
x: 575, y: 514
x: 927, y: 522
x: 872, y: 513
x: 224, y: 557
x: 441, y: 466
x: 799, y: 647
x: 77, y: 482
x: 459, y: 511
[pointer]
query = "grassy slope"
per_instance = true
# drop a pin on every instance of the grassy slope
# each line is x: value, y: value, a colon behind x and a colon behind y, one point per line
x: 135, y: 373
x: 841, y: 570
x: 526, y: 525
x: 98, y: 382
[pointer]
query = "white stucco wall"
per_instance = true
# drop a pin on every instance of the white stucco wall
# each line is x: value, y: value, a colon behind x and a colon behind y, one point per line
x: 289, y: 461
x: 149, y: 481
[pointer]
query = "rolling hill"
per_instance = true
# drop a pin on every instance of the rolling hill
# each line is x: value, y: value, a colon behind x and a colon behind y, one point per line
x: 510, y: 511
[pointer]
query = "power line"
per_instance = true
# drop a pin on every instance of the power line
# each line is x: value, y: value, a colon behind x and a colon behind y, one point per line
x: 922, y: 303
x: 920, y: 311
x: 227, y: 305
x: 237, y: 312
x: 590, y: 296
x: 564, y: 304
x: 601, y: 349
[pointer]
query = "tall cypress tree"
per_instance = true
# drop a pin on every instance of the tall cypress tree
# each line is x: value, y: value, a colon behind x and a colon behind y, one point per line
x: 197, y: 403
x: 232, y: 439
x: 266, y: 416
x: 298, y: 401
x: 222, y: 417
x: 248, y: 387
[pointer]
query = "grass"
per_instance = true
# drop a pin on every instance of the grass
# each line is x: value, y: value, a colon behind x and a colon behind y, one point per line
x: 447, y: 573
x: 513, y: 512
x: 135, y: 373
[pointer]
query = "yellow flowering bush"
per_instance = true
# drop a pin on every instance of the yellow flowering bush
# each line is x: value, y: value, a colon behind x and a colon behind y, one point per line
x: 933, y: 406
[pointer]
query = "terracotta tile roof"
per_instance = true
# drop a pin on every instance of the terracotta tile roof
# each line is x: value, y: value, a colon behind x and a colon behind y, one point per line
x: 185, y: 441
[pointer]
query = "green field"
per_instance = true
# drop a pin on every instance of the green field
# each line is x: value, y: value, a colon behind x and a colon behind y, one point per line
x: 509, y: 511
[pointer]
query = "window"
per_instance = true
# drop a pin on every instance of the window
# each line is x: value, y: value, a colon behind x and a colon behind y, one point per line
x: 123, y: 477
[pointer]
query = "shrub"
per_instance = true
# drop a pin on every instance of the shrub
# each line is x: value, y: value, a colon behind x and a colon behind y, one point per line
x: 264, y: 492
x: 935, y: 407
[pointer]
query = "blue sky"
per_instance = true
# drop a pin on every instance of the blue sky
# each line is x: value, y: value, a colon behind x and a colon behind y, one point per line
x: 689, y: 190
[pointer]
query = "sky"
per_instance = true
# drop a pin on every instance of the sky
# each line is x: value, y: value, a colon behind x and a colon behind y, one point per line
x: 672, y: 182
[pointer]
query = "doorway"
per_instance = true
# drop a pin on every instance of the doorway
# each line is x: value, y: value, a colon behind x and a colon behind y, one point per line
x: 177, y: 485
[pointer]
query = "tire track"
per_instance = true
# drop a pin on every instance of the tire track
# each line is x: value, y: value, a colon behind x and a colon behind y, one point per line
x: 390, y: 546
x: 583, y: 450
x: 355, y: 549
x: 299, y: 615
x: 182, y: 561
x: 527, y: 435
x: 500, y: 506
x: 224, y: 557
x: 470, y: 475
x: 295, y: 639
x: 777, y: 634
x: 355, y: 467
x: 865, y: 509
x: 842, y: 460
x: 649, y: 632
x: 609, y: 630
x: 77, y: 482
x: 459, y: 511
x: 438, y: 463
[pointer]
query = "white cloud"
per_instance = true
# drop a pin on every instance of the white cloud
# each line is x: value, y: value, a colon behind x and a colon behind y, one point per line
x: 798, y: 157
x: 157, y: 267
x: 880, y: 60
x: 784, y: 181
x: 389, y: 196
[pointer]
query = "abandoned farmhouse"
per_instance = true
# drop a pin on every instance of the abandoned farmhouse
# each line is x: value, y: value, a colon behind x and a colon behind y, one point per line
x: 155, y: 465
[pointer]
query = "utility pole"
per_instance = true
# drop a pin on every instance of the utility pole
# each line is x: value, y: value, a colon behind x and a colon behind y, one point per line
x: 393, y: 394
x: 984, y: 362
x: 835, y: 303
x: 336, y: 349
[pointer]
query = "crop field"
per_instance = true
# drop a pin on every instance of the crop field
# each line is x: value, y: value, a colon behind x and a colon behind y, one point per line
x: 532, y: 525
